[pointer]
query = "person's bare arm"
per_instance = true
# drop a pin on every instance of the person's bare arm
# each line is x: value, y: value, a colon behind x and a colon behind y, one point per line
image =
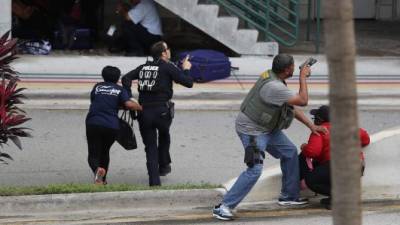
x: 131, y: 105
x: 299, y: 115
x: 301, y: 98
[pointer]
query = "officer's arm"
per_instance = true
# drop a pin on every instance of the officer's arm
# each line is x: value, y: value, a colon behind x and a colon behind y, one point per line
x: 180, y: 76
x: 127, y: 80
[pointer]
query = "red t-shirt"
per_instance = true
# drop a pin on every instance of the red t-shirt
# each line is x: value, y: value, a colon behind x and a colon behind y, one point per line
x: 318, y: 147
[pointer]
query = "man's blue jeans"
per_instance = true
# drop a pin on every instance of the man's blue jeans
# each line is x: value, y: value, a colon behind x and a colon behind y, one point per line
x: 279, y: 146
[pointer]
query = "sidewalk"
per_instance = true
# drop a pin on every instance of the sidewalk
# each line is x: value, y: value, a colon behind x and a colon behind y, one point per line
x: 189, y: 213
x: 90, y: 208
x: 210, y: 96
x: 168, y: 207
x: 65, y: 81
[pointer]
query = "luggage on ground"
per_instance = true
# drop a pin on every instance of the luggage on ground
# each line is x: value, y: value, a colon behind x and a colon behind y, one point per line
x: 207, y: 65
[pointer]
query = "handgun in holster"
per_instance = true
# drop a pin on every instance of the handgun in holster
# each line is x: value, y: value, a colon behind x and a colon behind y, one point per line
x: 171, y: 108
x: 253, y: 156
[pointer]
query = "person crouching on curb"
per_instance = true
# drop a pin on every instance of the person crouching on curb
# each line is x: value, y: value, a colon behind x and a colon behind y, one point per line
x: 317, y: 172
x: 267, y: 109
x: 102, y: 122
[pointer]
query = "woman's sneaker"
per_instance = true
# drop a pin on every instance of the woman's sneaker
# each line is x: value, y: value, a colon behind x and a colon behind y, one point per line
x: 222, y: 212
x: 292, y: 202
x: 99, y: 176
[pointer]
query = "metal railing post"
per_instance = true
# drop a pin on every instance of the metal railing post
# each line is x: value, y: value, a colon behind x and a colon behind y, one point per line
x: 273, y: 18
x: 317, y: 41
x: 308, y: 19
x: 267, y: 18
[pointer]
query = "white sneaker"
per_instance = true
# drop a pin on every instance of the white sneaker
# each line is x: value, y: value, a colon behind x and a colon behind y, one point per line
x: 222, y: 212
x: 292, y: 202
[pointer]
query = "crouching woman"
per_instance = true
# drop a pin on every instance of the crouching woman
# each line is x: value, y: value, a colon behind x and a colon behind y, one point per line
x: 102, y: 122
x: 315, y: 157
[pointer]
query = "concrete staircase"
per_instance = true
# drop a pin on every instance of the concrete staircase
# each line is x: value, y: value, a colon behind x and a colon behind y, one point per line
x: 223, y: 29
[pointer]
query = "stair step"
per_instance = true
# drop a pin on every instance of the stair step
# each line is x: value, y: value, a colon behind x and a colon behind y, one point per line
x: 247, y: 35
x: 265, y: 48
x: 223, y: 29
x: 177, y: 6
x: 208, y: 11
x: 229, y: 21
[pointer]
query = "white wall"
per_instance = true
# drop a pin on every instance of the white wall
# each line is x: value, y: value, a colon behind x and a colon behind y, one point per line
x: 5, y: 16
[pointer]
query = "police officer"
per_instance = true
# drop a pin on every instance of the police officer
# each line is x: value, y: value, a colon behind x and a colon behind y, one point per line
x: 155, y: 89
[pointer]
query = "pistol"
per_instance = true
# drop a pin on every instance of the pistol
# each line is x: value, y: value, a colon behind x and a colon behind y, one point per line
x: 310, y: 61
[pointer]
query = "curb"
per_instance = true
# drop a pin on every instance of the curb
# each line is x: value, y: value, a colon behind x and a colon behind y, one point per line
x: 100, y: 201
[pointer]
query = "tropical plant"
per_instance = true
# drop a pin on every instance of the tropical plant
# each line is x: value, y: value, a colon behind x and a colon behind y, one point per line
x: 11, y: 116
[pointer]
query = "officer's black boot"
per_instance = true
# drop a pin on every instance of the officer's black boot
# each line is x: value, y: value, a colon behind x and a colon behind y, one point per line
x: 164, y: 170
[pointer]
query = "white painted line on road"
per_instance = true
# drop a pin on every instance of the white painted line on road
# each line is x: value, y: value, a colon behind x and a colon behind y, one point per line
x: 266, y: 173
x: 384, y: 134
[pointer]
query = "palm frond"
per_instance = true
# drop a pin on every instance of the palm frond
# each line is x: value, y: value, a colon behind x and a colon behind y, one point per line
x: 5, y: 37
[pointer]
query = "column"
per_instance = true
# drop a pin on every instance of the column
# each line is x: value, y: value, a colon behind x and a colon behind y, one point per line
x: 5, y: 16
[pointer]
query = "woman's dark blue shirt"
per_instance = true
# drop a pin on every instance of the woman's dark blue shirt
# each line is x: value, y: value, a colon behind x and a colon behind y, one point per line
x: 105, y: 100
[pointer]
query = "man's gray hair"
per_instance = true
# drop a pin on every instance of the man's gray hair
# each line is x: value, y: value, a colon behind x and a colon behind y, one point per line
x: 281, y: 62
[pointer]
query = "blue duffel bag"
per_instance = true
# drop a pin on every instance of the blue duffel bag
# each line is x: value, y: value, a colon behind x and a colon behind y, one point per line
x: 207, y: 65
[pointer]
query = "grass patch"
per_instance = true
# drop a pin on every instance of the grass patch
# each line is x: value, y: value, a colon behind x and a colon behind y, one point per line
x: 85, y: 188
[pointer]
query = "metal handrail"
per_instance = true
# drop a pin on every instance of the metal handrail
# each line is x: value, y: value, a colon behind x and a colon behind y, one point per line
x: 278, y: 22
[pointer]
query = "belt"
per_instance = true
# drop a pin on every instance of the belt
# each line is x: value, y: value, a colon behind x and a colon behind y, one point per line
x: 155, y: 104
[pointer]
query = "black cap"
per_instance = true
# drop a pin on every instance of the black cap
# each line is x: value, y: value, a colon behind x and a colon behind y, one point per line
x: 322, y: 113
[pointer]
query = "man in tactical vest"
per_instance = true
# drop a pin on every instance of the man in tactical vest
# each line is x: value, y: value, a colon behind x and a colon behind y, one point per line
x: 269, y: 107
x: 155, y: 81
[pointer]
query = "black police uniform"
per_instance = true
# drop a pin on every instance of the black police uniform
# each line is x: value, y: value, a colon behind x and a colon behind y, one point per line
x: 155, y: 83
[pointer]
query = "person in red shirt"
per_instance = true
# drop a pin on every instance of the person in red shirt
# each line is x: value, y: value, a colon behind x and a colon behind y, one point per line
x: 315, y: 156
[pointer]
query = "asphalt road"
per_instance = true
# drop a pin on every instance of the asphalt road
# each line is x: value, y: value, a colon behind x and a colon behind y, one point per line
x: 373, y: 214
x: 369, y: 218
x: 204, y: 148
